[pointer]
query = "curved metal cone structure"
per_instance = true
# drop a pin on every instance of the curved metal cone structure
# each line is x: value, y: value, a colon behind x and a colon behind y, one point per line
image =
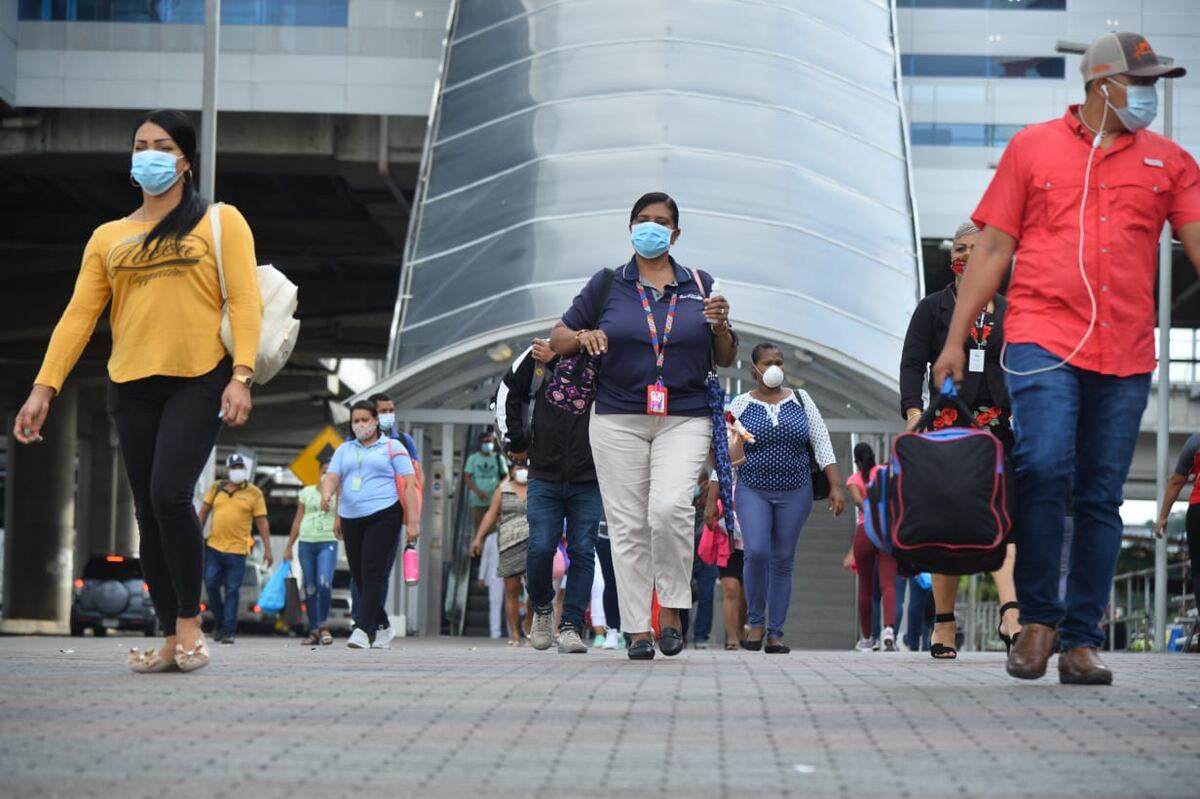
x: 777, y: 126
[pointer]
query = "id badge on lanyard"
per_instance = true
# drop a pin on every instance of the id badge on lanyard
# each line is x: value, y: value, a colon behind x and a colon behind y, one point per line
x: 656, y: 399
x: 978, y: 353
x: 656, y: 393
x: 356, y: 482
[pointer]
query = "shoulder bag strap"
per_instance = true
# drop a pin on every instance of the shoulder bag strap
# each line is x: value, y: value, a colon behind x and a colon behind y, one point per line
x: 214, y: 218
x: 605, y: 288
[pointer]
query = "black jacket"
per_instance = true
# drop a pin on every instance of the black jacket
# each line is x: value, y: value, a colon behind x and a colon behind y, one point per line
x: 558, y: 445
x: 923, y: 344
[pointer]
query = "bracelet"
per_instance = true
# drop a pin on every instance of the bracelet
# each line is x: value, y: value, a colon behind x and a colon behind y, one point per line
x: 579, y: 333
x: 913, y: 413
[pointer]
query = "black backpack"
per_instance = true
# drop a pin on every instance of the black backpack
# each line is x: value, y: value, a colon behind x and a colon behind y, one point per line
x: 945, y: 500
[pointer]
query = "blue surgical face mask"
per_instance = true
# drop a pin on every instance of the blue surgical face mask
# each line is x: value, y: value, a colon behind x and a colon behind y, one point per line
x: 387, y: 421
x: 1141, y: 107
x: 650, y: 239
x: 488, y: 447
x: 154, y: 171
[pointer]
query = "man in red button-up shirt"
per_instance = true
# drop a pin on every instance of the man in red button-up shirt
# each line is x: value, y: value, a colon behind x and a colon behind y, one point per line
x: 1080, y: 202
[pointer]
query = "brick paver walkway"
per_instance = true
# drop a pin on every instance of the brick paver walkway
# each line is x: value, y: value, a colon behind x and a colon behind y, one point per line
x: 473, y: 719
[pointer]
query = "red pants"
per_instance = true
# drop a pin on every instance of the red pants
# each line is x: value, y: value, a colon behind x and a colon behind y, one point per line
x: 866, y: 560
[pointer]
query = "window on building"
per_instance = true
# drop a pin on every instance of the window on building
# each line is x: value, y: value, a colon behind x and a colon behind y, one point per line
x: 324, y: 13
x: 995, y: 5
x: 983, y: 66
x: 965, y: 134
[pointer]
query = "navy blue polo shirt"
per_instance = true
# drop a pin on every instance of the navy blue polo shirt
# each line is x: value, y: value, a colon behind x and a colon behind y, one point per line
x: 629, y: 365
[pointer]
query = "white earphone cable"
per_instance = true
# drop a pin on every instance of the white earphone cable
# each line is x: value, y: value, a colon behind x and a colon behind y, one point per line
x: 1087, y: 174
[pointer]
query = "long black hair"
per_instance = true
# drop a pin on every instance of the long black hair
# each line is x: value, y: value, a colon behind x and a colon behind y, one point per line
x: 192, y: 207
x: 864, y: 458
x: 650, y: 199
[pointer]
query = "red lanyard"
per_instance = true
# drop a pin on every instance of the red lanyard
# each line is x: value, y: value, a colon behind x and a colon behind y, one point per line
x: 659, y: 350
x: 982, y: 331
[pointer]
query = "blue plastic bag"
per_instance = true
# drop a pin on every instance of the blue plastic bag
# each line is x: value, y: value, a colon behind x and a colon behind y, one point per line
x: 274, y: 594
x: 925, y: 580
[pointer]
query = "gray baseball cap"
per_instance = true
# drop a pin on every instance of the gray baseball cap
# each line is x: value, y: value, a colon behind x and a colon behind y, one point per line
x: 1125, y: 54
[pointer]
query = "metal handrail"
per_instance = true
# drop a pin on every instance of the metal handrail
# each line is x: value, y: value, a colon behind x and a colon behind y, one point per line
x: 1140, y: 624
x: 1136, y: 588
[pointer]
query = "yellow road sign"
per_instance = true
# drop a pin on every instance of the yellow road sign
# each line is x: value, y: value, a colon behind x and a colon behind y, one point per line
x: 307, y: 465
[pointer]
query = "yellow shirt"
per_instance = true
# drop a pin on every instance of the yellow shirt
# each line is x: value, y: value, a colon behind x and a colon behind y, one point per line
x: 166, y: 304
x: 233, y: 517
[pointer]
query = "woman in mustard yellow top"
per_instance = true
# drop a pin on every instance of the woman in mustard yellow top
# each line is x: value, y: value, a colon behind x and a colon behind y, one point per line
x: 171, y: 381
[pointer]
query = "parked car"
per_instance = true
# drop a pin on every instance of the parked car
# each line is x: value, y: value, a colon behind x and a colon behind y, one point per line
x: 250, y: 615
x: 340, y: 620
x: 111, y: 595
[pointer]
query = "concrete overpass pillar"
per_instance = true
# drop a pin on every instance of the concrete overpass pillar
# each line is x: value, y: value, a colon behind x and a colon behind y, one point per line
x: 39, y: 524
x: 105, y: 521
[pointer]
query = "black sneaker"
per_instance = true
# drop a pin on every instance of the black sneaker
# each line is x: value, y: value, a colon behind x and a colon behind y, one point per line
x: 227, y: 640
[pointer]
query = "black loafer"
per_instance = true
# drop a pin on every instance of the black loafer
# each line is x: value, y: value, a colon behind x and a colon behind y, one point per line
x: 777, y: 649
x: 670, y: 641
x: 641, y: 650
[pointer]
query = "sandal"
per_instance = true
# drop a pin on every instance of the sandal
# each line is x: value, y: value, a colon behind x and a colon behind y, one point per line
x: 1009, y: 641
x: 313, y: 639
x: 732, y: 646
x: 326, y: 637
x: 192, y: 659
x: 149, y: 662
x: 942, y: 651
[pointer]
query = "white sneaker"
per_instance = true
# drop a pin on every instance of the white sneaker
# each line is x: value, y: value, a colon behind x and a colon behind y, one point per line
x: 612, y: 639
x: 889, y: 639
x: 865, y: 645
x: 383, y: 638
x: 359, y: 639
x: 541, y: 633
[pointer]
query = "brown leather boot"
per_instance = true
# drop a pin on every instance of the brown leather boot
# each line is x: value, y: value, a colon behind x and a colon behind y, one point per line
x: 1083, y: 666
x: 1029, y: 655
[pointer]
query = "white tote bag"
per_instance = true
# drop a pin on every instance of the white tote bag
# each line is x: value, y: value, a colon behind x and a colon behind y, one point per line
x: 280, y: 328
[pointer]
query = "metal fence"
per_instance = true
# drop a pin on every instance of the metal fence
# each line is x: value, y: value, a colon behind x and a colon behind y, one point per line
x: 1128, y: 622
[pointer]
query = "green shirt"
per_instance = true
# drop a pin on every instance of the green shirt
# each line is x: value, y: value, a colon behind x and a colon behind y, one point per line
x: 317, y: 525
x: 487, y: 471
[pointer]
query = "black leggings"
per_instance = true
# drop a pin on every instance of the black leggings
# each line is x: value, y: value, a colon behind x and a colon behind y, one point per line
x: 167, y: 427
x: 1193, y: 540
x: 371, y: 543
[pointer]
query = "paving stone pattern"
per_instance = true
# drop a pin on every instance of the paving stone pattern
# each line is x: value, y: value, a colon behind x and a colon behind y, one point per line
x: 469, y: 718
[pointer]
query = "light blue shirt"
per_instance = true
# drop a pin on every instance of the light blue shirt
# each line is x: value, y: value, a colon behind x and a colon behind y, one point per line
x: 368, y: 476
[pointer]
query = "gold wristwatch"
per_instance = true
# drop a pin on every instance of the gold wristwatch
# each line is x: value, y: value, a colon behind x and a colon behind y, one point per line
x: 245, y: 380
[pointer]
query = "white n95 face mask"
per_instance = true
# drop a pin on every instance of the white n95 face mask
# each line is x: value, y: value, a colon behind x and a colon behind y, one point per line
x: 772, y: 377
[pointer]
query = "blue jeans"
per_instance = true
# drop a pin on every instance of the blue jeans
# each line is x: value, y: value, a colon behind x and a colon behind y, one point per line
x: 547, y: 506
x: 771, y: 524
x: 318, y: 561
x: 704, y: 578
x: 224, y: 571
x: 916, y: 635
x: 1074, y: 427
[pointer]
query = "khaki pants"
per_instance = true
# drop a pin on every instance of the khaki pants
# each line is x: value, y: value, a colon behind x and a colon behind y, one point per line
x: 647, y: 468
